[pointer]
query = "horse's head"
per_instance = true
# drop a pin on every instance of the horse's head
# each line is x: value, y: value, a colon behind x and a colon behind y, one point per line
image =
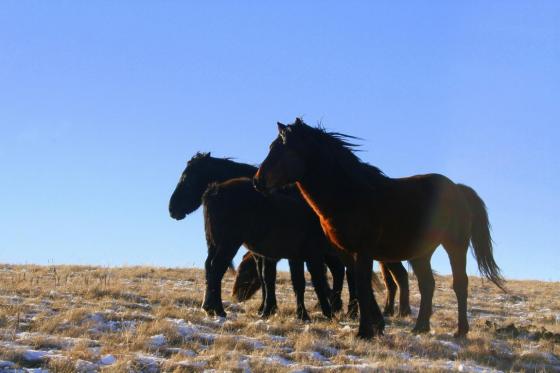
x: 287, y: 159
x: 193, y: 182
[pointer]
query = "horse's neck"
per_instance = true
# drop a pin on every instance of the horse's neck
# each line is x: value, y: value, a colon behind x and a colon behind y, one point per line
x: 329, y: 189
x: 230, y: 169
x: 321, y: 190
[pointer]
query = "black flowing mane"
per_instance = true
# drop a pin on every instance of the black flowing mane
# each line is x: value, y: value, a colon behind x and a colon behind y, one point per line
x: 339, y: 147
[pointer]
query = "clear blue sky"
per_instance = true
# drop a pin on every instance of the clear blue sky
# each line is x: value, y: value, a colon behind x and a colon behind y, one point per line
x: 101, y: 104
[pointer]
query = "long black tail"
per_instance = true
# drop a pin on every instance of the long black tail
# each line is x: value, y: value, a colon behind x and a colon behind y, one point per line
x: 481, y: 240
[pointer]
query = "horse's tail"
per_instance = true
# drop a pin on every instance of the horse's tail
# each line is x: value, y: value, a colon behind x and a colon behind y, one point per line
x: 246, y: 282
x: 481, y: 241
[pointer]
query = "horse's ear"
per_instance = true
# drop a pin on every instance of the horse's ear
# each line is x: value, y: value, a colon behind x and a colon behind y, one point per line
x: 281, y: 127
x: 299, y: 122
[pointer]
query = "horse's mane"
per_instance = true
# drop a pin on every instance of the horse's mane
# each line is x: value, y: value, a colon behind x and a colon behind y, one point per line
x: 200, y: 156
x: 339, y: 146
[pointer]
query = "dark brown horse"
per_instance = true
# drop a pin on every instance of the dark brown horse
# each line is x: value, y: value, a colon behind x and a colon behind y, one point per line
x: 364, y: 212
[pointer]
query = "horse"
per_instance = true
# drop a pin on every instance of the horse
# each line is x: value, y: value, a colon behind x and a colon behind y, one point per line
x: 247, y: 283
x: 373, y: 216
x: 203, y: 169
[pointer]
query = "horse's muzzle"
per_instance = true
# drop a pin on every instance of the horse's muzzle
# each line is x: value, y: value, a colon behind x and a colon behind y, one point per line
x: 177, y: 215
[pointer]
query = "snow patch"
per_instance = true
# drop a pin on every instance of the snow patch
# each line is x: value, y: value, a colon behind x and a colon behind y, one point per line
x: 278, y: 360
x: 107, y: 360
x: 450, y: 345
x: 6, y: 364
x: 34, y: 355
x: 157, y: 341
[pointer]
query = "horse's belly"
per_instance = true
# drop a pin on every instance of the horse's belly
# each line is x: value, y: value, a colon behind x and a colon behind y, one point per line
x: 406, y: 248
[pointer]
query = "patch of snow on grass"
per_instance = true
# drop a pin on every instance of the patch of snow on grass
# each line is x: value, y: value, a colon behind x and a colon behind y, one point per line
x: 85, y: 366
x: 181, y: 351
x: 34, y: 355
x: 277, y: 338
x: 278, y: 360
x: 451, y: 345
x: 6, y: 364
x: 157, y: 341
x: 107, y: 360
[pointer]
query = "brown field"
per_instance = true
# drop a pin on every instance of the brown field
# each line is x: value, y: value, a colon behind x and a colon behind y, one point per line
x: 136, y: 319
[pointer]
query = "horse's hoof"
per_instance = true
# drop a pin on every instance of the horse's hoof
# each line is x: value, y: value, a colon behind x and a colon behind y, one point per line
x: 352, y: 312
x: 303, y: 316
x: 208, y: 308
x: 215, y: 312
x: 420, y: 329
x: 461, y: 333
x: 328, y: 312
x: 404, y: 313
x: 336, y: 305
x: 388, y: 312
x: 209, y: 311
x: 365, y: 334
x: 267, y: 312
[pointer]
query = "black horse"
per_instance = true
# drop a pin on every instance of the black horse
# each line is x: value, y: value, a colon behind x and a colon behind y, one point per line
x: 204, y: 169
x: 376, y: 217
x: 275, y: 226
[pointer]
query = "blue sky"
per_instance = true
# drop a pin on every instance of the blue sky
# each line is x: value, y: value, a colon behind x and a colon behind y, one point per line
x: 102, y: 103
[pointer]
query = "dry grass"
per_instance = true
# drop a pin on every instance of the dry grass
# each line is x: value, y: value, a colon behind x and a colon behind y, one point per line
x: 72, y: 318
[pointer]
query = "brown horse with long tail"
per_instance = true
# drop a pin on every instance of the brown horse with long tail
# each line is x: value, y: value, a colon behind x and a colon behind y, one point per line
x: 372, y: 216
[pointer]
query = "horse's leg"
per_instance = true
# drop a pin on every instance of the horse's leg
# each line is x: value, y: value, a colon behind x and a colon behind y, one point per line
x: 337, y: 271
x: 458, y: 259
x: 400, y: 275
x: 209, y: 296
x: 390, y: 290
x: 269, y: 276
x: 216, y: 268
x: 260, y: 265
x: 426, y: 284
x: 316, y: 268
x: 371, y: 318
x: 352, y: 295
x: 298, y: 283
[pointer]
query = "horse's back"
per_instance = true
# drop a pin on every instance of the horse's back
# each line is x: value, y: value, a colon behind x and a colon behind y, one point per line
x: 419, y: 212
x: 277, y: 225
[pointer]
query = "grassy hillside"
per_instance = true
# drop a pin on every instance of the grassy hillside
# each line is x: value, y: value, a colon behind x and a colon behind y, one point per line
x: 68, y: 318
